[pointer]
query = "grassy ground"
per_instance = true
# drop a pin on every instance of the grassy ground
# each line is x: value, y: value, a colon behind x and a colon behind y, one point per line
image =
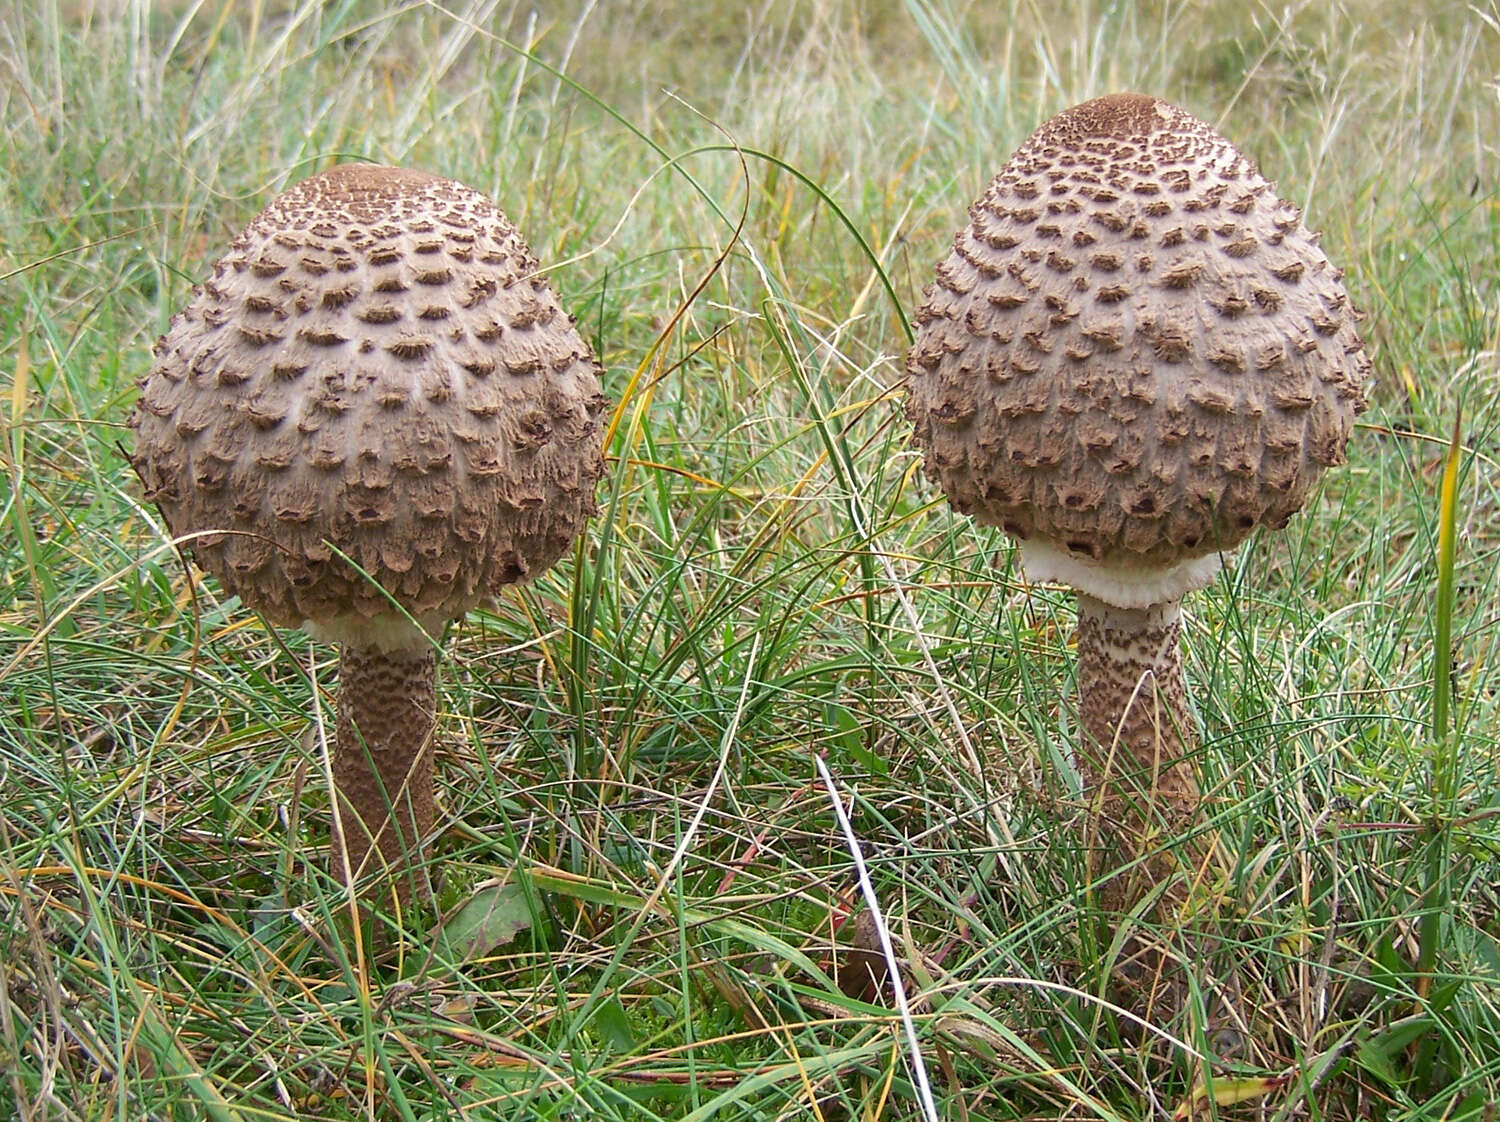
x: 626, y: 766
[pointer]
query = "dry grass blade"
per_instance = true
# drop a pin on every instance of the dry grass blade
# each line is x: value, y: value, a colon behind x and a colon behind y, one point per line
x: 893, y: 967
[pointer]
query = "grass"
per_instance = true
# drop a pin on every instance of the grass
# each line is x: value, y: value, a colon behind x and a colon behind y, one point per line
x: 626, y: 769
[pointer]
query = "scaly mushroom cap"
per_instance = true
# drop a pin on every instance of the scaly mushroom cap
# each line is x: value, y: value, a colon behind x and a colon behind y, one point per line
x: 1135, y: 354
x: 374, y: 367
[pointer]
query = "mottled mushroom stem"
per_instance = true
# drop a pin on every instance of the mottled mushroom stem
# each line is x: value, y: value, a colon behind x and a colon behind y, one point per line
x: 1138, y: 733
x: 382, y: 763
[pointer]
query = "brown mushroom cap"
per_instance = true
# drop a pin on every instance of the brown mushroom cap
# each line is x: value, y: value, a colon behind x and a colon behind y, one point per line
x: 374, y: 367
x: 1135, y: 354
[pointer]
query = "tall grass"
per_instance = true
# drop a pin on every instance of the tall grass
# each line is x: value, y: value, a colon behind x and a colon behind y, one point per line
x: 646, y: 907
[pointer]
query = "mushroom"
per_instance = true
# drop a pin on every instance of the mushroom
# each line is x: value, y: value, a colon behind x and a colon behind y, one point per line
x: 1134, y: 355
x: 372, y: 417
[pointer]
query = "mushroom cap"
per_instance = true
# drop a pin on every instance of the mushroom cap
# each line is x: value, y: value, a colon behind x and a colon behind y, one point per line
x: 1135, y: 354
x: 374, y: 369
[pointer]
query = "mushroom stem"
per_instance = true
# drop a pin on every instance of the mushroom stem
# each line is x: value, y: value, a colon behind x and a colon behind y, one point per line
x: 382, y: 764
x: 1138, y: 734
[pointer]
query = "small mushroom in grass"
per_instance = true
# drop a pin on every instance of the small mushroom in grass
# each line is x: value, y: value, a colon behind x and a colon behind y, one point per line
x: 372, y: 417
x: 1134, y: 355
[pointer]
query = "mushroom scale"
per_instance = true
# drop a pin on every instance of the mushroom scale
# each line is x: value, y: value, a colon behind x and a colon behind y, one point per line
x: 375, y: 367
x: 1135, y: 353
